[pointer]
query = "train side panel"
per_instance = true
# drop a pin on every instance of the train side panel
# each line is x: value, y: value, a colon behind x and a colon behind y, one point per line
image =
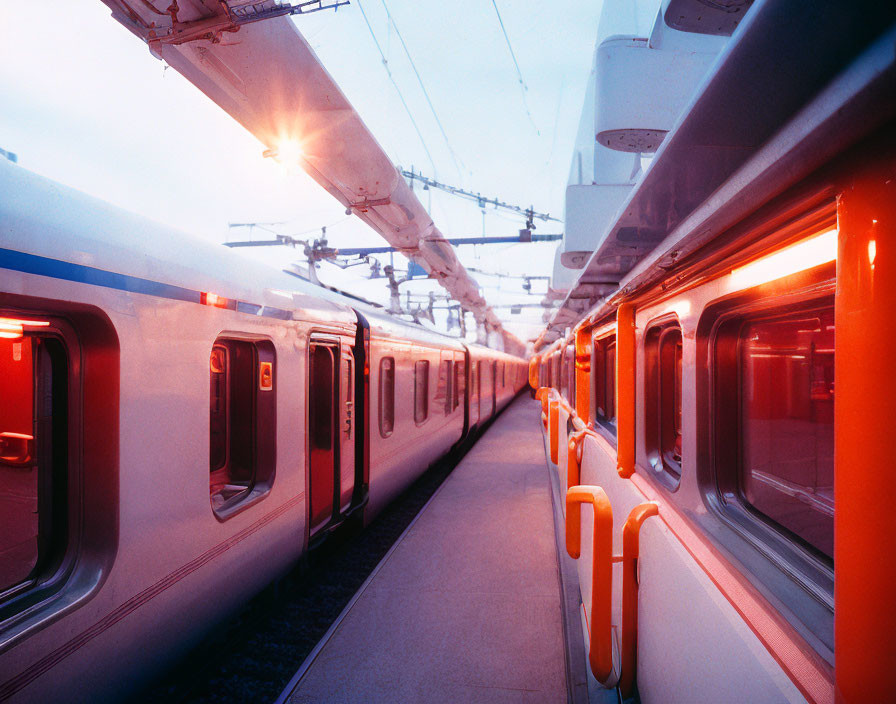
x: 422, y: 428
x: 178, y: 567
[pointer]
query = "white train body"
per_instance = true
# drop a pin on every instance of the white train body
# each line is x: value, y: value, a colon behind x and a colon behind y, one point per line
x: 142, y: 562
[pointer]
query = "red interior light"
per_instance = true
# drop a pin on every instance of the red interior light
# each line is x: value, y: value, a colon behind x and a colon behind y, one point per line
x: 13, y: 328
x: 212, y: 299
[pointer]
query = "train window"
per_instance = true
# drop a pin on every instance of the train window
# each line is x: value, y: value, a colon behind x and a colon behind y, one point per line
x: 603, y: 368
x: 421, y: 391
x: 387, y: 396
x: 663, y: 368
x: 459, y: 386
x: 570, y: 357
x: 776, y: 368
x: 34, y: 377
x: 564, y: 373
x: 241, y: 422
x: 443, y: 391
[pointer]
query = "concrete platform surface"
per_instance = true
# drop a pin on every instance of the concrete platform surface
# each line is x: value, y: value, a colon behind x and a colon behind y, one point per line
x: 467, y: 605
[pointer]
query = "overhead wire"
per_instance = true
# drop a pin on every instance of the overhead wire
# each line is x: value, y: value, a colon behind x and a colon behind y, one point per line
x: 523, y: 87
x: 397, y: 89
x: 407, y: 52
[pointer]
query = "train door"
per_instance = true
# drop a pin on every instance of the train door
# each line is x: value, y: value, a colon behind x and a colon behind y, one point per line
x: 461, y: 367
x: 494, y: 388
x: 330, y: 431
x: 477, y: 389
x: 473, y: 392
x: 346, y: 430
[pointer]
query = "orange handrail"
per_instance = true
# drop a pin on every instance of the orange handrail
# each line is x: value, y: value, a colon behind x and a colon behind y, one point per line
x: 625, y: 390
x: 583, y: 373
x: 534, y: 364
x: 574, y: 457
x: 554, y: 429
x: 631, y: 534
x: 543, y: 395
x: 600, y: 643
x: 564, y: 404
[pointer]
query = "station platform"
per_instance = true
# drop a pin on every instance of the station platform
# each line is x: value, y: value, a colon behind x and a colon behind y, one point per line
x: 469, y: 605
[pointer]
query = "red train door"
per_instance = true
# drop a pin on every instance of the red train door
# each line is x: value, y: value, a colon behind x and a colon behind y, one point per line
x: 323, y: 431
x: 346, y: 432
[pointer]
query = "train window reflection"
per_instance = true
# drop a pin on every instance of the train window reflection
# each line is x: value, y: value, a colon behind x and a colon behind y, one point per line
x: 663, y: 387
x: 33, y: 452
x: 786, y: 467
x: 603, y: 370
x: 387, y: 396
x: 459, y: 387
x: 443, y: 389
x: 421, y: 391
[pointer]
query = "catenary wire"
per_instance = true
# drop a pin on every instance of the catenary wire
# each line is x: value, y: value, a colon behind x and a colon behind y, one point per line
x: 407, y: 52
x: 519, y: 73
x: 397, y: 89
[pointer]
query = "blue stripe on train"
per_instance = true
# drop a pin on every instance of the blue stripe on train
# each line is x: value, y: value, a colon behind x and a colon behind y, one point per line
x: 69, y: 271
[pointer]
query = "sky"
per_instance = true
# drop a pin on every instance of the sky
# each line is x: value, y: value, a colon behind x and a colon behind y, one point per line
x: 82, y: 101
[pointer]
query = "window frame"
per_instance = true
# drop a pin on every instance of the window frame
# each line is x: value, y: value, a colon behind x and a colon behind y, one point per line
x: 447, y: 365
x: 659, y: 405
x: 795, y: 576
x: 776, y: 541
x: 421, y: 394
x: 72, y: 573
x: 381, y: 396
x: 458, y: 383
x: 50, y: 559
x: 601, y: 371
x: 263, y: 419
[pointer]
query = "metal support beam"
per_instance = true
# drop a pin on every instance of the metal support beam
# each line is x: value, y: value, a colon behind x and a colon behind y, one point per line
x: 364, y: 251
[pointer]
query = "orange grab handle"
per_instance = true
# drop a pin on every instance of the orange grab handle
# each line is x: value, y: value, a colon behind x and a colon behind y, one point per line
x: 625, y: 390
x: 631, y: 534
x: 600, y: 655
x: 583, y: 373
x: 574, y: 457
x: 554, y: 430
x: 533, y: 371
x: 543, y: 394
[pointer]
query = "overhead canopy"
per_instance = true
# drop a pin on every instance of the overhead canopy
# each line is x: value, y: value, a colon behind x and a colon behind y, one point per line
x: 266, y: 76
x: 771, y: 110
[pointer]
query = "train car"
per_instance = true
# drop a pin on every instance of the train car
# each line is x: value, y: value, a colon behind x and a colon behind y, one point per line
x: 710, y: 477
x: 178, y: 425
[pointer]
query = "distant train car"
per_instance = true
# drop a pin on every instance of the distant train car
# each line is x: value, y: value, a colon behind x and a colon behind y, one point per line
x: 178, y: 425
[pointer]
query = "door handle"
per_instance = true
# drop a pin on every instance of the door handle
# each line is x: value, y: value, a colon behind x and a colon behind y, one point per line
x: 349, y: 406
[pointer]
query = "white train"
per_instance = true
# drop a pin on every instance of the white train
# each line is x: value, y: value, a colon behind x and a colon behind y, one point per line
x: 178, y: 425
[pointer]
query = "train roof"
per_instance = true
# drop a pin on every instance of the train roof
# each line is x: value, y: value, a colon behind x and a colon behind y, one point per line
x: 48, y: 220
x: 54, y: 222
